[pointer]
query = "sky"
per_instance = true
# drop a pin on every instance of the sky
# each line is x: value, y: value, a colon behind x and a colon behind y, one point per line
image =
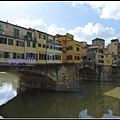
x: 86, y: 20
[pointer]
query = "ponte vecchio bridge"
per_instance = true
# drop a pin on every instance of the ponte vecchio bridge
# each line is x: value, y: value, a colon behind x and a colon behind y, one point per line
x: 58, y: 77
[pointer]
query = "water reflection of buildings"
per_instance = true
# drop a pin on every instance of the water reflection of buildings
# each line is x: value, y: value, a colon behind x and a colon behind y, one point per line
x: 101, y: 106
x: 96, y: 109
x: 112, y: 104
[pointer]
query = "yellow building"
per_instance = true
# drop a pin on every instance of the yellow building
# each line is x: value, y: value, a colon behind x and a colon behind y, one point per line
x: 107, y: 57
x: 29, y: 46
x: 14, y: 42
x: 72, y: 50
x: 41, y: 47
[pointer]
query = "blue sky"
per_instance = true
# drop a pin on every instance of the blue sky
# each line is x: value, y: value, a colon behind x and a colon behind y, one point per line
x: 86, y: 20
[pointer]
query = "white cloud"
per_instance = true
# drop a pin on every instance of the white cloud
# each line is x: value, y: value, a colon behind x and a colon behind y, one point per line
x: 90, y: 32
x: 86, y: 33
x: 37, y: 24
x: 53, y: 29
x: 6, y: 93
x: 106, y: 9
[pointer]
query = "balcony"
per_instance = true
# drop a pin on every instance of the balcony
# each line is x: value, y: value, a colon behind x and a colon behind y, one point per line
x: 29, y: 38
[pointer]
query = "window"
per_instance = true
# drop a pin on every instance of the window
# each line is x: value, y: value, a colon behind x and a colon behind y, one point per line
x: 29, y: 34
x: 52, y: 57
x: 42, y: 56
x: 57, y: 48
x: 6, y: 54
x: 27, y: 55
x: 31, y: 55
x: 69, y: 57
x: 28, y: 43
x: 34, y: 45
x: 3, y: 40
x: 57, y: 57
x: 10, y: 41
x: 1, y: 28
x: 40, y: 35
x: 44, y: 46
x: 23, y: 56
x: 77, y: 49
x: 77, y: 57
x: 44, y: 37
x: 2, y: 54
x: 14, y: 55
x: 39, y: 45
x: 23, y: 44
x: 51, y: 47
x: 10, y: 55
x: 18, y: 55
x: 47, y: 57
x: 20, y: 43
x: 16, y: 33
x: 63, y: 51
x: 69, y: 48
x: 36, y: 56
x: 106, y: 56
x: 101, y: 61
x: 64, y: 41
x: 60, y: 48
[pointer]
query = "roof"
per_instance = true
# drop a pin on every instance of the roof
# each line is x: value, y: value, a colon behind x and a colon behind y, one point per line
x: 98, y: 39
x: 17, y: 25
x: 115, y: 40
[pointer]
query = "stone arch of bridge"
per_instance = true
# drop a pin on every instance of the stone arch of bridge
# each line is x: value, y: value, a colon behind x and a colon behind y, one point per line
x: 88, y: 71
x: 32, y: 79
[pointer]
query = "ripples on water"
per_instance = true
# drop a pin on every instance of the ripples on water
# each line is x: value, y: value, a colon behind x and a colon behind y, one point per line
x: 88, y: 103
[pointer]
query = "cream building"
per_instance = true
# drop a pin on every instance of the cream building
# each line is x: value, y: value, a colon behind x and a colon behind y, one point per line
x: 54, y: 50
x: 13, y: 43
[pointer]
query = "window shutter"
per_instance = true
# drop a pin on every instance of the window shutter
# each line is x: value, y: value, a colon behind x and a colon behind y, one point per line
x: 22, y: 55
x: 36, y: 56
x: 14, y: 55
x: 6, y: 54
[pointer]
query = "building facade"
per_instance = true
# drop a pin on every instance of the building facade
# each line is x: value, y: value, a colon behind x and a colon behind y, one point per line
x: 98, y: 42
x: 20, y: 45
x: 54, y: 50
x: 13, y: 43
x: 72, y: 49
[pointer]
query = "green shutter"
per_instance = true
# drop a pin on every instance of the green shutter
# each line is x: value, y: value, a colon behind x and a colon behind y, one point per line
x: 6, y: 54
x: 36, y: 56
x: 5, y: 39
x: 22, y: 55
x: 14, y: 55
x: 29, y: 34
x: 11, y: 42
x: 34, y: 45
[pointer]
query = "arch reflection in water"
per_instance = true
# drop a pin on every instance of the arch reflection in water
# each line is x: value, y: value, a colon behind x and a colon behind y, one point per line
x: 6, y: 93
x: 88, y: 103
x: 8, y: 87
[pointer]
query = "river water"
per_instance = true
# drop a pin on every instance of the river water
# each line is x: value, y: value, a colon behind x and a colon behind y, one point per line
x: 89, y: 102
